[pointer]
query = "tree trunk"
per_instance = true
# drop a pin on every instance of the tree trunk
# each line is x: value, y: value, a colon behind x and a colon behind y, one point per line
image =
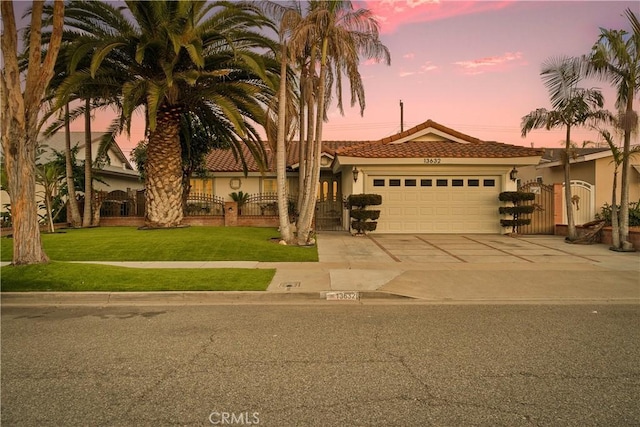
x: 163, y: 171
x: 571, y: 225
x: 19, y: 119
x: 615, y: 237
x: 302, y: 155
x: 87, y: 217
x: 624, y: 187
x: 316, y: 150
x: 281, y: 154
x: 74, y: 211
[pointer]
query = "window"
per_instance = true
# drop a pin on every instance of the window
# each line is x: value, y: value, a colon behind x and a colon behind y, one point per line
x: 409, y: 182
x: 489, y: 182
x: 426, y: 183
x: 378, y: 182
x: 442, y: 182
x: 539, y: 179
x: 473, y: 182
x: 457, y: 182
x: 201, y: 186
x: 394, y: 183
x: 269, y: 185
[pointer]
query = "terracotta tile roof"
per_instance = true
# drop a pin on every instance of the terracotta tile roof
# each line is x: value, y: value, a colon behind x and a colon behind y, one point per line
x: 471, y: 147
x: 555, y: 154
x: 389, y: 147
x: 451, y: 149
x: 425, y: 125
x: 224, y: 161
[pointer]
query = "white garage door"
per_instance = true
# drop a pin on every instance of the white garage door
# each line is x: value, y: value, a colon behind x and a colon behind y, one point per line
x: 437, y: 204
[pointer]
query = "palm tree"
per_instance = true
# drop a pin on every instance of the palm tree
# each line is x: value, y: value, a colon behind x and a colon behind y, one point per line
x: 572, y: 106
x: 282, y: 111
x: 173, y: 58
x: 616, y: 58
x: 335, y: 37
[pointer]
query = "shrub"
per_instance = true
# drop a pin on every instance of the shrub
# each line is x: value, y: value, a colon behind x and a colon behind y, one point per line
x: 517, y: 210
x: 364, y: 220
x: 363, y: 200
x: 634, y: 214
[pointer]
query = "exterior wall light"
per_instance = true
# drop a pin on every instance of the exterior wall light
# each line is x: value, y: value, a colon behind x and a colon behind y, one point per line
x: 355, y: 172
x: 513, y: 174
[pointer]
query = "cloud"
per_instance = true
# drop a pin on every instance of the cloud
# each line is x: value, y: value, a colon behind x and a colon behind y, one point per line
x: 489, y: 63
x: 394, y: 13
x: 427, y: 67
x: 409, y: 55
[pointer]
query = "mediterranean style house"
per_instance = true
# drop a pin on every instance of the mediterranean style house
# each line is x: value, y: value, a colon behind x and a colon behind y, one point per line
x: 432, y: 179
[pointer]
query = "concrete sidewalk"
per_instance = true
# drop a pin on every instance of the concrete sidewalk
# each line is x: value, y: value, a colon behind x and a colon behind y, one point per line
x: 466, y: 268
x: 425, y: 268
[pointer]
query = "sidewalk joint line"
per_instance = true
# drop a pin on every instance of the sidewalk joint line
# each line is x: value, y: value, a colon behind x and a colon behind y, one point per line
x: 393, y: 257
x: 559, y: 250
x: 497, y: 249
x: 443, y: 250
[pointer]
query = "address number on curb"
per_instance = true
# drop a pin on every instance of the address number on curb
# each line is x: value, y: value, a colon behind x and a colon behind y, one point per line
x: 343, y: 296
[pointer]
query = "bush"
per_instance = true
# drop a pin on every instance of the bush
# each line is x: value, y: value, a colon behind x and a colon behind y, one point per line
x: 362, y: 215
x: 515, y: 197
x: 364, y: 220
x: 516, y: 210
x: 363, y: 226
x: 363, y: 200
x: 634, y: 214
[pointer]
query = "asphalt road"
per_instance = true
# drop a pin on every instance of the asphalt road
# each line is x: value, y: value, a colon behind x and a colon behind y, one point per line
x: 322, y: 365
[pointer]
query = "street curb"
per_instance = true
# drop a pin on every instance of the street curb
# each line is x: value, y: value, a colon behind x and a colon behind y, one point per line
x: 13, y: 299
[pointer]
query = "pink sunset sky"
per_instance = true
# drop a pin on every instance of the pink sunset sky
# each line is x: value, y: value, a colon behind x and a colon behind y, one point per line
x: 471, y: 66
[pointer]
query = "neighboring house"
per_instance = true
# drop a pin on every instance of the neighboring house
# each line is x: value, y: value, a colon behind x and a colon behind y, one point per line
x: 432, y: 179
x: 591, y: 178
x: 117, y: 172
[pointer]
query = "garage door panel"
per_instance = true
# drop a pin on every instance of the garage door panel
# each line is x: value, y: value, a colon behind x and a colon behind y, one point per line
x: 433, y: 209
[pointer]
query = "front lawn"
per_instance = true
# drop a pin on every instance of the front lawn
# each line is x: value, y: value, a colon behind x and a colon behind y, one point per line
x: 62, y: 276
x: 179, y: 244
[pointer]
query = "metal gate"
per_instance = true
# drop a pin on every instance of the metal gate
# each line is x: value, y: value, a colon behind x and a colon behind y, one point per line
x: 542, y: 221
x: 329, y: 215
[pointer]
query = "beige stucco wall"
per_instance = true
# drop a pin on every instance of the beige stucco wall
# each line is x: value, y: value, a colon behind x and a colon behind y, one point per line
x: 598, y: 172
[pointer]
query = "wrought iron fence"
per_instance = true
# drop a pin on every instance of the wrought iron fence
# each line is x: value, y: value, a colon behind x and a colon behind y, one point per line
x: 199, y: 204
x: 265, y: 204
x: 120, y: 203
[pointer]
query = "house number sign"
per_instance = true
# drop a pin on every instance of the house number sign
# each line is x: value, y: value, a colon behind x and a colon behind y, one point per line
x: 432, y: 160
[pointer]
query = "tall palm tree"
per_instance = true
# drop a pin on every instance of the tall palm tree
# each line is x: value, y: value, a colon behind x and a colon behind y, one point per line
x: 173, y: 58
x: 281, y: 121
x: 572, y: 106
x: 616, y: 58
x: 335, y: 37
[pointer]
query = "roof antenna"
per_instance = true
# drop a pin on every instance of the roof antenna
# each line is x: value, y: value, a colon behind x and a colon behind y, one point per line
x: 401, y: 116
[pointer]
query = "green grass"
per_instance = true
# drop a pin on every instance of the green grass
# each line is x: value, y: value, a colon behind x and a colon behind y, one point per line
x: 180, y: 244
x: 62, y: 276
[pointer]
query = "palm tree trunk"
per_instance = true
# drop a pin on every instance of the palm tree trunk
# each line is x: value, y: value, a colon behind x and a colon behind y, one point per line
x: 74, y: 211
x: 624, y: 187
x: 281, y: 155
x: 88, y: 163
x: 305, y: 210
x: 615, y: 229
x: 163, y: 171
x: 302, y: 146
x: 571, y: 225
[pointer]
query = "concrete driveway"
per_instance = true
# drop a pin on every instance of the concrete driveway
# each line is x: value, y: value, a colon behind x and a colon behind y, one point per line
x: 466, y: 268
